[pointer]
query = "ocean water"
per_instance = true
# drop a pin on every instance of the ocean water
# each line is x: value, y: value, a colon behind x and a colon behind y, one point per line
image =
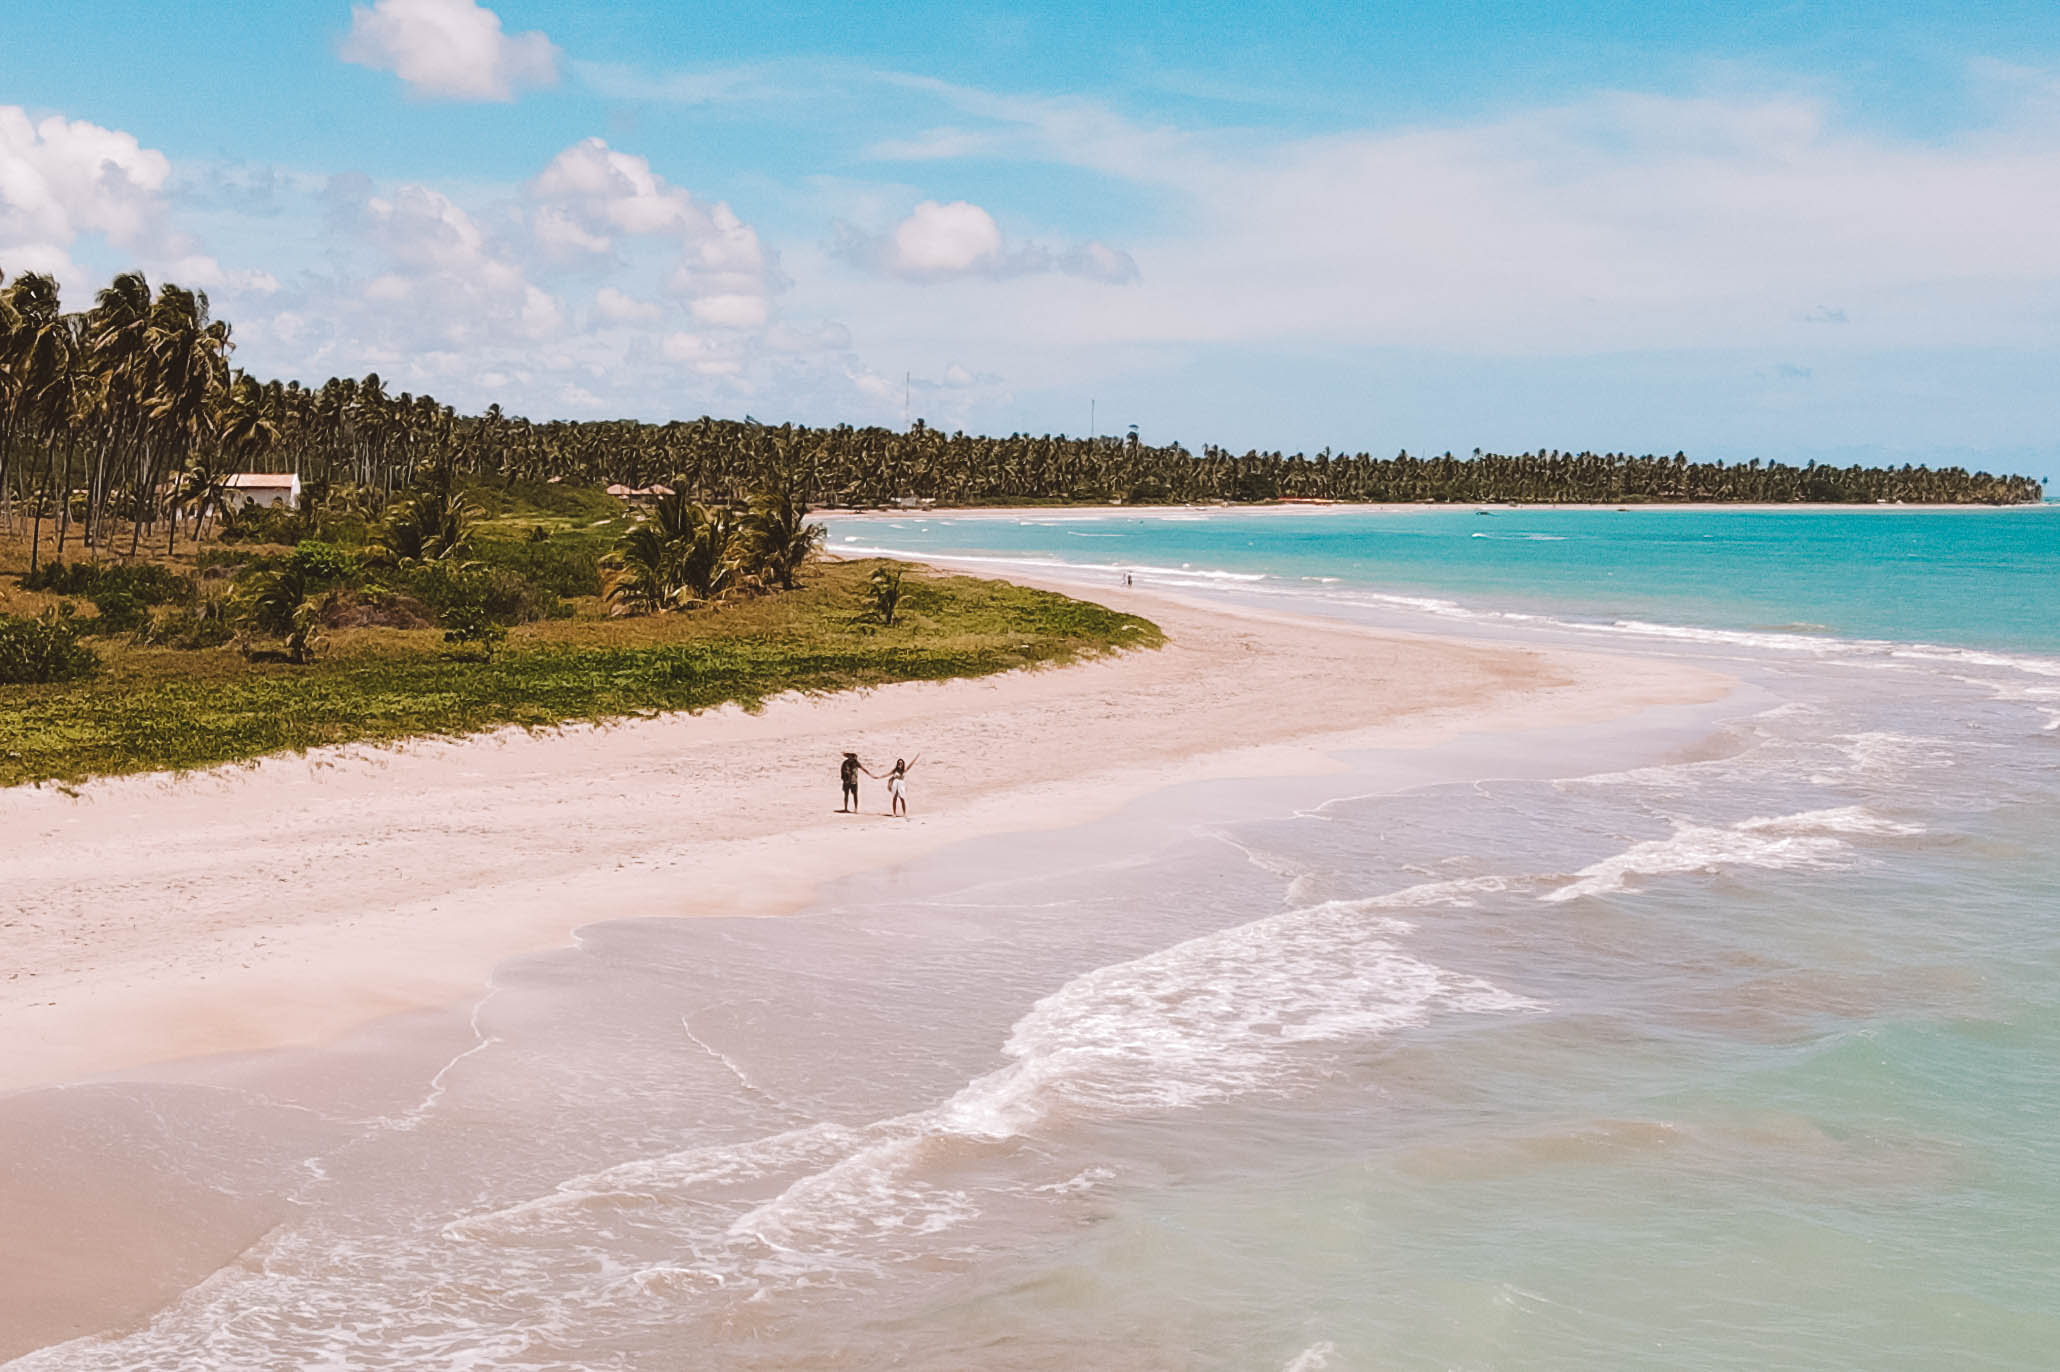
x: 1725, y: 1037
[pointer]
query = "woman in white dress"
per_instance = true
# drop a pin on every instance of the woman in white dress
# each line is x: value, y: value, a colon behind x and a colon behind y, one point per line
x: 897, y: 786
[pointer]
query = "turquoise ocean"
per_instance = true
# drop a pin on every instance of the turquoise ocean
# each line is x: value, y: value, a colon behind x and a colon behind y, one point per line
x: 1724, y: 1037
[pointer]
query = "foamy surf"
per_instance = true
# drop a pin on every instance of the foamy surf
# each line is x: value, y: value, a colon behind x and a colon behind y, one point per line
x: 1812, y: 840
x: 1223, y: 1015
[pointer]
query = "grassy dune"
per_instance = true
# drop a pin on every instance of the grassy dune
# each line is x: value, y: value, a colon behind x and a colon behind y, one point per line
x: 155, y: 709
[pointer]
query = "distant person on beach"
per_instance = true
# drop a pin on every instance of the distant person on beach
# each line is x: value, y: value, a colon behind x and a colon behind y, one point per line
x: 1126, y: 578
x: 849, y: 771
x: 897, y: 786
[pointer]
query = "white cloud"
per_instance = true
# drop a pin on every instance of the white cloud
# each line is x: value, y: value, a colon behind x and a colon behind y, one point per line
x: 63, y: 181
x: 613, y: 305
x: 454, y: 49
x: 1615, y: 222
x: 939, y: 242
x: 447, y: 284
x: 944, y: 240
x: 60, y: 178
x: 203, y: 271
x: 605, y: 191
x: 591, y: 196
x: 672, y: 298
x: 731, y: 311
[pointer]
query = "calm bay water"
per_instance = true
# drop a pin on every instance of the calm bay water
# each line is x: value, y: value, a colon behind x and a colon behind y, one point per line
x: 1982, y: 577
x: 1719, y: 1038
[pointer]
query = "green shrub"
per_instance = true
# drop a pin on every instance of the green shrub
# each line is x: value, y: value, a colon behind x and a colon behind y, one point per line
x: 120, y: 611
x: 146, y: 582
x: 561, y: 568
x: 883, y: 594
x: 470, y: 623
x: 207, y: 623
x: 214, y: 562
x: 264, y: 524
x: 542, y: 497
x: 42, y: 649
x: 374, y: 607
x: 324, y: 563
x: 346, y: 528
x: 275, y: 596
x: 505, y: 595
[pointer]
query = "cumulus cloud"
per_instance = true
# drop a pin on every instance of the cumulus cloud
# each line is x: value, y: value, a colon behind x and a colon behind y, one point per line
x: 595, y: 287
x: 452, y: 49
x: 60, y: 178
x: 592, y: 197
x: 943, y: 240
x: 604, y: 191
x: 939, y: 242
x: 620, y: 308
x: 445, y: 282
x: 64, y: 180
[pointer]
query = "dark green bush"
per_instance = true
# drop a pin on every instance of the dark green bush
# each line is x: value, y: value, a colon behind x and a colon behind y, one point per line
x: 214, y: 562
x: 324, y: 563
x: 496, y: 498
x: 42, y: 649
x: 264, y: 524
x: 503, y: 594
x: 470, y: 623
x: 565, y: 569
x: 146, y: 582
x: 205, y: 624
x: 120, y: 611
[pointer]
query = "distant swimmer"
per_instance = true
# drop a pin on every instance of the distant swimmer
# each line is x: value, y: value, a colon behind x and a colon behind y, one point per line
x: 897, y: 785
x: 849, y: 771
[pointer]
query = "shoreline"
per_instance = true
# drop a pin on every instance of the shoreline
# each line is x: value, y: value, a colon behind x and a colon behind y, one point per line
x: 285, y: 904
x: 1403, y: 507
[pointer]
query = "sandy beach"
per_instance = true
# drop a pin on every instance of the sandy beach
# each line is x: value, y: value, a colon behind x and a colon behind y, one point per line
x: 155, y: 918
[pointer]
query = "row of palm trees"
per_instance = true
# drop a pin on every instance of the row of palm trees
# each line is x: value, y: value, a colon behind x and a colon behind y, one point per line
x: 127, y: 415
x: 98, y: 409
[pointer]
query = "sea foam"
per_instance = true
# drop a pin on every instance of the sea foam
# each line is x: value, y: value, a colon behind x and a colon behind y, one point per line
x: 1809, y: 840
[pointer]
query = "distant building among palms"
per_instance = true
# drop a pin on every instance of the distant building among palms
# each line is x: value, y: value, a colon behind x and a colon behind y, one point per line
x: 275, y: 490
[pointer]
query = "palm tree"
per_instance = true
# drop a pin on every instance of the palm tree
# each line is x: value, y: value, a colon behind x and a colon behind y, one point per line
x: 189, y: 362
x: 684, y: 554
x: 249, y: 425
x: 200, y: 491
x: 779, y: 536
x: 883, y: 594
x: 432, y: 525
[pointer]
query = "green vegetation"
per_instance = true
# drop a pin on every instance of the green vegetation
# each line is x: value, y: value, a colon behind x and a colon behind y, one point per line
x: 43, y: 649
x: 883, y: 594
x: 453, y: 606
x: 151, y: 708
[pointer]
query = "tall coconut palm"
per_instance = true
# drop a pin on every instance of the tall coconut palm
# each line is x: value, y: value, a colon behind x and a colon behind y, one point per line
x: 189, y: 364
x: 779, y: 537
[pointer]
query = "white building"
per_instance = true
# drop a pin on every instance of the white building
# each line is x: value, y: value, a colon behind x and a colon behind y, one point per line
x: 279, y: 490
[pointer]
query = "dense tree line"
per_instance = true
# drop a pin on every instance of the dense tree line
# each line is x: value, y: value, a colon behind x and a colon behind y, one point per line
x: 121, y: 419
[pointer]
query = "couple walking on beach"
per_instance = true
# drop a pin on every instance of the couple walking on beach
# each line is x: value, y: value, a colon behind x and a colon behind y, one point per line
x: 897, y: 784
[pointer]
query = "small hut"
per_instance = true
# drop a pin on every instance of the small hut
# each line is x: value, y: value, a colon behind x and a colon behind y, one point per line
x: 273, y: 490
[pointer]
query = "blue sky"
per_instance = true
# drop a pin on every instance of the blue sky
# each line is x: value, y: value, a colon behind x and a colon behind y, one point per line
x: 1797, y: 230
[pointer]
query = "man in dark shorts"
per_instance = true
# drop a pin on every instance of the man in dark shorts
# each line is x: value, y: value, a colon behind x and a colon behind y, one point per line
x: 849, y: 771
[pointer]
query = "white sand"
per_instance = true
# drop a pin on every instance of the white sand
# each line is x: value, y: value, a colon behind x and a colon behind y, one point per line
x: 152, y: 918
